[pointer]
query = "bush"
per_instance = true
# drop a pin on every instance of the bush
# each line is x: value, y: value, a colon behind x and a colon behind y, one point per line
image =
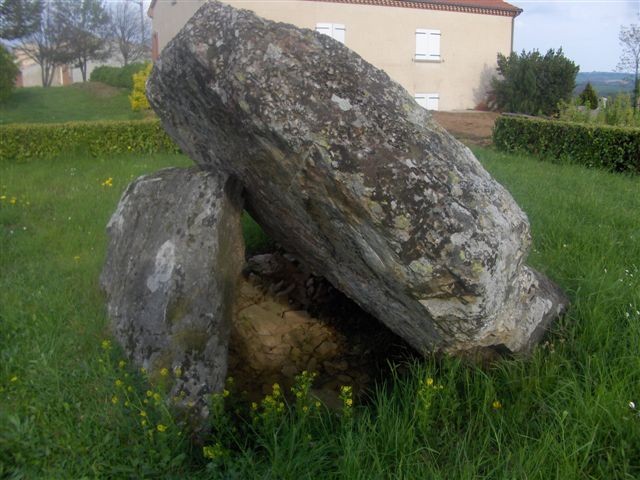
x: 23, y: 142
x: 533, y: 84
x: 121, y: 77
x: 617, y: 112
x: 589, y: 97
x: 8, y: 72
x: 613, y: 148
x: 138, y: 97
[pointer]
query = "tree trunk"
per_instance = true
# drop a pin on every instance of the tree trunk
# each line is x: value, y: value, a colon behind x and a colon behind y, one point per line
x: 636, y: 87
x: 83, y: 69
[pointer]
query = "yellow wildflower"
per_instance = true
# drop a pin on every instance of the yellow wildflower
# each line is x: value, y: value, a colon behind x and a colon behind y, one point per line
x: 496, y: 404
x: 254, y: 406
x: 156, y: 397
x: 164, y: 372
x: 114, y: 400
x: 149, y: 393
x: 13, y: 200
x: 177, y: 371
x: 108, y: 182
x: 129, y: 388
x: 305, y: 409
x: 14, y: 379
x: 143, y: 371
x: 429, y: 381
x: 225, y: 393
x: 317, y: 404
x: 122, y: 363
x: 161, y: 428
x: 3, y: 197
x: 143, y: 413
x: 118, y: 383
x: 76, y: 258
x: 143, y: 422
x: 106, y: 344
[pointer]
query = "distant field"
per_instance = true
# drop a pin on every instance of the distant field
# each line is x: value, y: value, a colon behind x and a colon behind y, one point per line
x: 78, y: 102
x: 606, y: 84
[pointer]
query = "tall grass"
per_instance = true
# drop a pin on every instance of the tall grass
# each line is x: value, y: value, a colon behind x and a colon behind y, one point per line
x: 563, y: 413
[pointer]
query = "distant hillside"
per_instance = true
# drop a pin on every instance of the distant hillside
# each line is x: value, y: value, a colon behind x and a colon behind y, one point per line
x: 605, y: 83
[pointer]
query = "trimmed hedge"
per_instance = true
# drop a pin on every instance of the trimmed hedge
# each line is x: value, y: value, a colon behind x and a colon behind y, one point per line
x: 121, y: 77
x: 613, y: 148
x: 24, y: 142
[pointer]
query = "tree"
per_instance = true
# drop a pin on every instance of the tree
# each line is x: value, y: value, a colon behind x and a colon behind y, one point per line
x: 84, y: 30
x: 46, y: 45
x: 589, y: 97
x: 532, y: 83
x: 630, y: 59
x: 8, y: 72
x: 128, y: 33
x: 19, y: 18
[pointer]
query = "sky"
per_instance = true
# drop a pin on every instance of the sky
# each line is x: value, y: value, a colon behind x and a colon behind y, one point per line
x: 587, y: 30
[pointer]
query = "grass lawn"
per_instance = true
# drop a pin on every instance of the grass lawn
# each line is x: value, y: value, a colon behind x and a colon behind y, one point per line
x: 77, y: 102
x: 70, y: 409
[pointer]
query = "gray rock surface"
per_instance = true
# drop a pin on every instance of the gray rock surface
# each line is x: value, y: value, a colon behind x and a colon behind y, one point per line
x: 345, y: 170
x: 173, y: 263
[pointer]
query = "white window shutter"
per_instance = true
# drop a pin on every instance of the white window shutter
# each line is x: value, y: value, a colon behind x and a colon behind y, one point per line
x: 434, y: 44
x: 422, y: 44
x: 325, y: 28
x: 339, y: 32
x: 433, y: 101
x: 421, y: 99
x: 430, y: 101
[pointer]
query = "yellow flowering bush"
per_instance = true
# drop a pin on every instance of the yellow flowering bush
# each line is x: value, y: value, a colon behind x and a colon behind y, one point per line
x: 425, y: 396
x: 138, y: 98
x: 346, y: 395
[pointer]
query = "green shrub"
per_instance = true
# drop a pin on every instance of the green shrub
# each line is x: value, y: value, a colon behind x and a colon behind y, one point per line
x: 589, y: 97
x: 121, y: 77
x: 617, y: 112
x: 613, y: 148
x: 23, y: 142
x: 8, y: 72
x: 533, y: 83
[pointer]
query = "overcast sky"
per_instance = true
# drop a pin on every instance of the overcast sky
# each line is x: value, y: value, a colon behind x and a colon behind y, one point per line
x: 587, y: 30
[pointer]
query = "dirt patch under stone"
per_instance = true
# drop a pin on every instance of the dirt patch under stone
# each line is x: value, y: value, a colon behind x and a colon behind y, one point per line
x: 287, y: 320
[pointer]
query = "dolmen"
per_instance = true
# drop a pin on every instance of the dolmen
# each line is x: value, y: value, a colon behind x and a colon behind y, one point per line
x: 343, y: 169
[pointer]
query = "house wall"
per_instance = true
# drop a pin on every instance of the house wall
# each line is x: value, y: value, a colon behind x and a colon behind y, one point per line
x: 385, y: 36
x: 32, y: 76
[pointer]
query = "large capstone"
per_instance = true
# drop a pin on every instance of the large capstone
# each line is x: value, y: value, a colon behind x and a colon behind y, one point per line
x: 346, y: 171
x: 174, y: 259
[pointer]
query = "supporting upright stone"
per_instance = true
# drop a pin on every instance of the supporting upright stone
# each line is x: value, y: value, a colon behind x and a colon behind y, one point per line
x: 174, y: 259
x: 344, y: 169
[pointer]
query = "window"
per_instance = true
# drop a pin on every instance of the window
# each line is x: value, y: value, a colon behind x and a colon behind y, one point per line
x: 428, y: 45
x: 430, y: 101
x: 334, y: 30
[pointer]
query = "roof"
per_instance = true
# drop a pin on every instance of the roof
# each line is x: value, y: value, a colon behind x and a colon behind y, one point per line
x: 491, y: 7
x: 488, y: 7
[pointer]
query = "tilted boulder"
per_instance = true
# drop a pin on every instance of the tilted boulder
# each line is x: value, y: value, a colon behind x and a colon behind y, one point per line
x: 174, y: 259
x: 345, y: 170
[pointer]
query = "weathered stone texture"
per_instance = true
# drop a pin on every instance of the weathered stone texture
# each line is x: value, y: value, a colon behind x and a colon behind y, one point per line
x: 174, y: 259
x: 344, y: 169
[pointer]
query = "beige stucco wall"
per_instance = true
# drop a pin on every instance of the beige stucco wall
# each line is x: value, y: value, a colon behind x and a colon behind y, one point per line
x: 385, y: 36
